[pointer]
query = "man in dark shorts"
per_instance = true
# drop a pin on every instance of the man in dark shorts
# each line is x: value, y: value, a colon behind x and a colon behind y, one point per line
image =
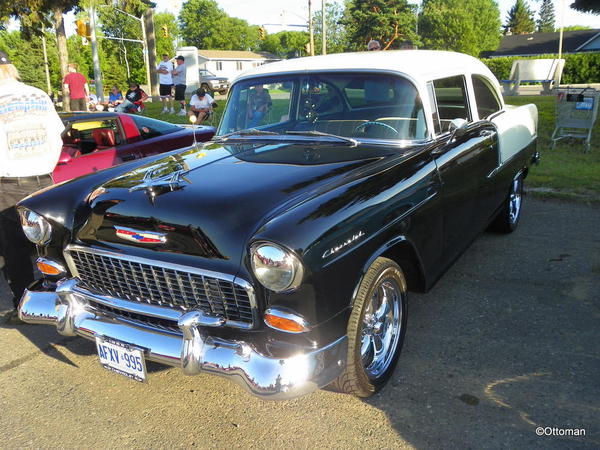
x: 77, y: 87
x: 165, y: 80
x: 179, y: 81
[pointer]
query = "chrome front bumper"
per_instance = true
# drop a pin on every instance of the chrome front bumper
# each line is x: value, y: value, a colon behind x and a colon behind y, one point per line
x: 196, y: 351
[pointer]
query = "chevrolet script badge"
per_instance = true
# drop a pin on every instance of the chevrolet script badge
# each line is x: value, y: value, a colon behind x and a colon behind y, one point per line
x: 144, y: 237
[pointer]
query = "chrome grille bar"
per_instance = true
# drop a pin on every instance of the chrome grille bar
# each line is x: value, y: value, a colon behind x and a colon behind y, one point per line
x: 174, y: 286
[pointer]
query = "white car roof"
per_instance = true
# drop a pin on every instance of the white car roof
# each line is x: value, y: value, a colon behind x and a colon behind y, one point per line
x: 420, y: 65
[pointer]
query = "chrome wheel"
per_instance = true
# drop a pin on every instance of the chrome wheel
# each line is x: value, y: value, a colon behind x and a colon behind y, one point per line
x: 514, y: 201
x: 381, y: 326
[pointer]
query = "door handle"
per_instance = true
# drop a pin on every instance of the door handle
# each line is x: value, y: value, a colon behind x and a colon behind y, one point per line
x: 129, y: 157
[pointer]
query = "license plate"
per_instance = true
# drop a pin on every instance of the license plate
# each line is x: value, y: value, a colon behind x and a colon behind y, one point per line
x: 121, y: 358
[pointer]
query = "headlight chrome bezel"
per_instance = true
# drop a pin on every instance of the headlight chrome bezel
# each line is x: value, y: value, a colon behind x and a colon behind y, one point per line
x: 29, y: 220
x: 263, y: 252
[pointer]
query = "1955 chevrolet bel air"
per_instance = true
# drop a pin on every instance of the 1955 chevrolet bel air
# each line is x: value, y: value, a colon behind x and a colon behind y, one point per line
x: 280, y: 254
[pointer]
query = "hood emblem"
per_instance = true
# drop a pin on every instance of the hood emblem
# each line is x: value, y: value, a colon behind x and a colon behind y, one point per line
x: 144, y: 237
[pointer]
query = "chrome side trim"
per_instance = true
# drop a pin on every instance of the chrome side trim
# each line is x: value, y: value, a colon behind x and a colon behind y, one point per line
x: 153, y: 310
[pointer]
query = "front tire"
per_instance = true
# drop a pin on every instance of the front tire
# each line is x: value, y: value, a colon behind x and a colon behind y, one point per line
x: 508, y: 218
x: 375, y: 330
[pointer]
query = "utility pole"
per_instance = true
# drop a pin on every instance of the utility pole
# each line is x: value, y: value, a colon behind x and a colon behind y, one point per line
x: 310, y: 30
x: 324, y: 27
x: 48, y: 86
x: 150, y: 39
x: 95, y: 58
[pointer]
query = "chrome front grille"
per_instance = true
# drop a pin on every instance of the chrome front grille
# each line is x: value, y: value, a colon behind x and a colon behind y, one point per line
x: 167, y: 285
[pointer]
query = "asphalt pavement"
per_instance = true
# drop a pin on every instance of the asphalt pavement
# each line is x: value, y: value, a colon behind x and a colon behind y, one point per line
x: 502, y: 353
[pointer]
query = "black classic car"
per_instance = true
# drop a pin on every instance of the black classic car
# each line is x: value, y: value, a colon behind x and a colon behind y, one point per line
x: 280, y: 254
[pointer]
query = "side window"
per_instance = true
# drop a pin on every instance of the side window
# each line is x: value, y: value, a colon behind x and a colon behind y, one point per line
x: 451, y: 99
x: 219, y: 65
x: 238, y: 65
x: 150, y: 128
x: 485, y: 96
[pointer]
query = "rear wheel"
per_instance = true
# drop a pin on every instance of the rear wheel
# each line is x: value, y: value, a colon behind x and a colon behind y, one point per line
x: 375, y: 330
x: 508, y: 218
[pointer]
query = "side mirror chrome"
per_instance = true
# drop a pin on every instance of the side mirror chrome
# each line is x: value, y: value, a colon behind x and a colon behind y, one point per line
x: 458, y: 127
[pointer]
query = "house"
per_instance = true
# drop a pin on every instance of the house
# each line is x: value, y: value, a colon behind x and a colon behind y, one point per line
x: 230, y: 63
x: 579, y: 41
x: 222, y: 63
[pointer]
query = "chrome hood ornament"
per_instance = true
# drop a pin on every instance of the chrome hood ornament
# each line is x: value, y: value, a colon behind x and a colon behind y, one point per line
x: 157, y: 185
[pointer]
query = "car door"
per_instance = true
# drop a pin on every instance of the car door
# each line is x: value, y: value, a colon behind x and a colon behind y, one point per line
x: 464, y: 160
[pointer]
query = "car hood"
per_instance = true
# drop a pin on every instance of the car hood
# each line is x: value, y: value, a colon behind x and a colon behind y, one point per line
x: 206, y: 203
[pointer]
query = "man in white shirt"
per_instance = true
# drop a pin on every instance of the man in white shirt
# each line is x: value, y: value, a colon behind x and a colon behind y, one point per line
x: 201, y: 104
x: 179, y: 81
x: 30, y: 145
x: 165, y: 81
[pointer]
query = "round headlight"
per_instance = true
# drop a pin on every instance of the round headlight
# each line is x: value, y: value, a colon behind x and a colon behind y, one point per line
x: 36, y: 228
x: 276, y: 268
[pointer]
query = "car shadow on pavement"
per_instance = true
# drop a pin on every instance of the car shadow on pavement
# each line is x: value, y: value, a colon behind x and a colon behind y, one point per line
x: 47, y: 341
x: 503, y: 351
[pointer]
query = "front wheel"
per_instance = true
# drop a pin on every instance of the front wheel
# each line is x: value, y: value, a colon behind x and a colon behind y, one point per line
x: 375, y: 330
x: 508, y: 218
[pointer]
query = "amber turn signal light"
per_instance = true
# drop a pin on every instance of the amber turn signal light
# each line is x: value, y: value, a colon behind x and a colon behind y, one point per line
x: 49, y: 267
x: 290, y: 323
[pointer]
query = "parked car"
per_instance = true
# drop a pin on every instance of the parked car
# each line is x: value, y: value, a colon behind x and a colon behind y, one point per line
x: 95, y: 141
x: 211, y: 83
x: 280, y: 254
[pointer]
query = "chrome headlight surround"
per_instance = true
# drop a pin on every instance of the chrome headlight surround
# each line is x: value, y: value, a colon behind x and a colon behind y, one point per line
x: 36, y: 228
x: 275, y: 267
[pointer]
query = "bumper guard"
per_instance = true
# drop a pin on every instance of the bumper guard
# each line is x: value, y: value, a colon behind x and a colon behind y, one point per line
x: 196, y: 351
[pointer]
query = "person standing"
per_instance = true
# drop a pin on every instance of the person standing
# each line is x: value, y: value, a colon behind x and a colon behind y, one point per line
x: 165, y: 80
x: 30, y: 144
x: 179, y: 82
x: 77, y: 88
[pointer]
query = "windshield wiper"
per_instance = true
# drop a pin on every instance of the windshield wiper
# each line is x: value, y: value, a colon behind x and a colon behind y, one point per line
x: 248, y: 132
x: 353, y: 142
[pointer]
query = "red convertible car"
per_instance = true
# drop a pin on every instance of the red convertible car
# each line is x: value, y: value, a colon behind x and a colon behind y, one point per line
x: 95, y: 141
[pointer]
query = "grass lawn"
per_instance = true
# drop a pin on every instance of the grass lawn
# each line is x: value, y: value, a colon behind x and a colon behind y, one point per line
x: 564, y: 171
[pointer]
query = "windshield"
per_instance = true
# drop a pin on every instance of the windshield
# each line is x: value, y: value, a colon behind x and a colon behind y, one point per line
x: 352, y: 105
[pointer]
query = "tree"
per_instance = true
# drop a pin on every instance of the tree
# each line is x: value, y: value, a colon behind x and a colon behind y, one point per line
x: 336, y: 33
x: 164, y: 44
x: 388, y: 21
x: 467, y: 26
x: 586, y: 6
x: 285, y: 44
x: 520, y: 19
x: 545, y: 24
x: 205, y: 25
x: 36, y: 16
x: 576, y: 28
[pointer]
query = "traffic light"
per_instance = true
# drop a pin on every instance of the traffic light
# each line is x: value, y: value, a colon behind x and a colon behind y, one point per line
x: 83, y: 28
x: 165, y: 31
x: 262, y: 33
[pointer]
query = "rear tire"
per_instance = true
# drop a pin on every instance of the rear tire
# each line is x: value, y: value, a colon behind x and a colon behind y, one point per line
x: 508, y: 218
x: 375, y: 330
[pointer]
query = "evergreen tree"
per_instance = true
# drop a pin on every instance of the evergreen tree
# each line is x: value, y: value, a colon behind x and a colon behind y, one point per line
x: 520, y: 19
x: 545, y: 24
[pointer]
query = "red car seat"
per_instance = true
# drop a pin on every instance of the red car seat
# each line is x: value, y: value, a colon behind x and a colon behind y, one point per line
x: 104, y: 138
